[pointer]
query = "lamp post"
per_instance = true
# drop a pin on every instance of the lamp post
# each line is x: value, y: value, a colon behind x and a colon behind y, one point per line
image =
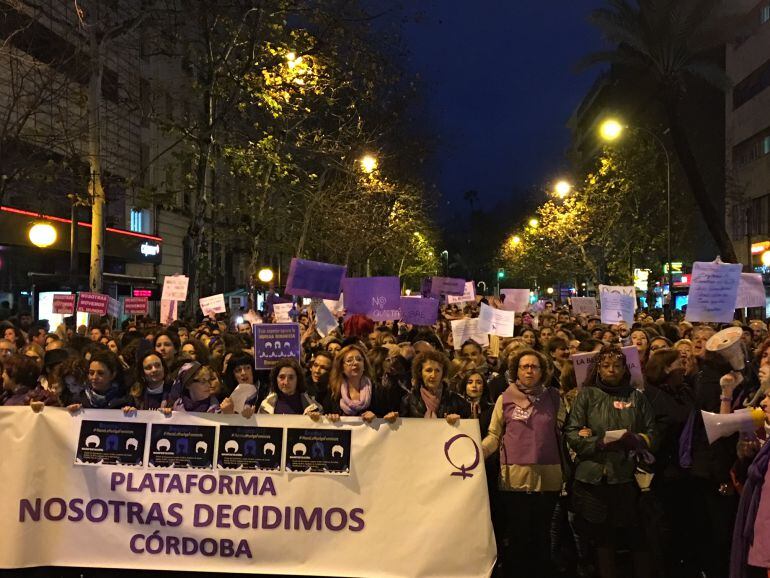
x: 610, y: 130
x: 562, y: 188
x: 42, y: 234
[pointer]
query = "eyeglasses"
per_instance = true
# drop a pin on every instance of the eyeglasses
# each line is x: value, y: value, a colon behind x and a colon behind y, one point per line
x: 354, y: 360
x: 529, y: 366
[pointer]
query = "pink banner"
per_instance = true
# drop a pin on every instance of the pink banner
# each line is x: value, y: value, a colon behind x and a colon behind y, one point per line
x: 135, y: 306
x: 93, y: 303
x: 64, y: 304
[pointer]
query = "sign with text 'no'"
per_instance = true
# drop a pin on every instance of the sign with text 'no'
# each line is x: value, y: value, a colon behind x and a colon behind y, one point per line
x: 379, y: 298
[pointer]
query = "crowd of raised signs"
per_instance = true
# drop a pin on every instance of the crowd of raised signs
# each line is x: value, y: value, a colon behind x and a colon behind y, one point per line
x: 591, y: 472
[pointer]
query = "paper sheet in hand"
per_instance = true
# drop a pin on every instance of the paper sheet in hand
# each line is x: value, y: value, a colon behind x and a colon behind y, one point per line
x: 281, y: 311
x: 617, y: 307
x: 713, y: 292
x: 325, y: 322
x: 175, y: 288
x: 584, y: 305
x: 213, y: 304
x: 515, y: 299
x: 469, y: 295
x: 465, y: 329
x: 751, y: 291
x: 240, y: 394
x: 496, y: 321
x: 613, y: 435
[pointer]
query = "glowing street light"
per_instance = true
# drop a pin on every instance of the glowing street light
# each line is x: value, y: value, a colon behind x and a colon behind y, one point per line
x: 611, y: 129
x: 265, y: 275
x: 515, y: 239
x: 765, y: 258
x: 368, y: 164
x: 42, y: 234
x: 549, y: 290
x: 534, y: 223
x: 562, y: 189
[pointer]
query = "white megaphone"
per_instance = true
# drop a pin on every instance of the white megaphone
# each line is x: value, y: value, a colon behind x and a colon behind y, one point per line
x: 721, y: 425
x: 727, y: 343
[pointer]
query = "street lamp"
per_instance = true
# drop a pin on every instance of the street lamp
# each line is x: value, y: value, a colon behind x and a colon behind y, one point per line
x: 562, y: 189
x: 368, y: 164
x: 610, y: 130
x: 265, y: 275
x: 534, y: 223
x: 42, y: 234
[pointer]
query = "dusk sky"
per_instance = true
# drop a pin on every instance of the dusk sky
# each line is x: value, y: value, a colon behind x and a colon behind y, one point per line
x: 499, y: 84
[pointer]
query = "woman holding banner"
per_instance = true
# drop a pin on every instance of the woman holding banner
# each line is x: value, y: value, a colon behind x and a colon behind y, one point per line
x: 524, y: 430
x: 610, y: 427
x: 287, y: 391
x: 104, y: 388
x: 192, y: 391
x: 353, y: 390
x: 431, y: 396
x: 152, y: 383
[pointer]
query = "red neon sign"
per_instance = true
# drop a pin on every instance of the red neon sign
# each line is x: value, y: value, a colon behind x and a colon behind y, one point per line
x: 142, y: 292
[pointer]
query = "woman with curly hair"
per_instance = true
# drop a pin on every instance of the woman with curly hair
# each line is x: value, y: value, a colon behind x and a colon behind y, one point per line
x: 431, y: 396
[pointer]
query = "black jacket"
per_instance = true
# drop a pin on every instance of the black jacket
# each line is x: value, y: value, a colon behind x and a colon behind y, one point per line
x: 671, y: 415
x: 413, y: 405
x: 384, y: 401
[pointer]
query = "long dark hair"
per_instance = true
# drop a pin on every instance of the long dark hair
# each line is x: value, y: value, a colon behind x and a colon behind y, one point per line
x: 287, y: 362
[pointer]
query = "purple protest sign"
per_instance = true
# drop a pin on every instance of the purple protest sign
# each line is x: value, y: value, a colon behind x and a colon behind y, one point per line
x: 447, y: 286
x: 419, y: 311
x: 274, y: 342
x: 315, y: 279
x: 379, y: 298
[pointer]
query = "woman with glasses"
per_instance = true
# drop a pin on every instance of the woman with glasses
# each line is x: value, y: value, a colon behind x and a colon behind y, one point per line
x: 524, y: 429
x: 353, y: 391
x: 610, y: 427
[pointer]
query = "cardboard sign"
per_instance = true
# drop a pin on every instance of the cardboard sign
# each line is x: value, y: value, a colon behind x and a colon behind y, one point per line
x: 751, y: 291
x: 617, y: 304
x: 419, y: 310
x: 379, y: 298
x: 113, y: 307
x: 169, y: 311
x: 629, y: 290
x: 325, y: 321
x: 496, y: 321
x: 281, y: 311
x: 447, y: 286
x: 64, y: 304
x: 275, y: 341
x: 315, y: 279
x: 135, y: 306
x: 175, y: 288
x: 713, y: 292
x: 584, y: 305
x: 465, y: 329
x: 514, y: 300
x: 213, y: 304
x: 93, y: 303
x: 469, y: 294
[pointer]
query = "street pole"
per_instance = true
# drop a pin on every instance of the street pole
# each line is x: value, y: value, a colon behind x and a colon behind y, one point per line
x: 74, y: 245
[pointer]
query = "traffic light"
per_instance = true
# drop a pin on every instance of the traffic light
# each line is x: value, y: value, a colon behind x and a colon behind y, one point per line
x: 500, y: 274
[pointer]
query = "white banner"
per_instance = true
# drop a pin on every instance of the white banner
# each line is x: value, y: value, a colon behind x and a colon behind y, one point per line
x: 413, y: 501
x: 469, y: 295
x: 175, y: 288
x: 213, y: 304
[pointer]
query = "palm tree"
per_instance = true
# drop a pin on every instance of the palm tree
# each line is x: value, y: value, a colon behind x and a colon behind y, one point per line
x: 664, y: 43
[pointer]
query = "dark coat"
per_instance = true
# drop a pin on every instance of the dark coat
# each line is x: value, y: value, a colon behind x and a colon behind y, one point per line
x: 451, y: 402
x: 671, y: 414
x: 385, y: 399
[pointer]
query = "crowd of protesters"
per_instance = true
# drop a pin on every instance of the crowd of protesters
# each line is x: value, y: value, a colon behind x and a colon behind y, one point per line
x: 657, y: 499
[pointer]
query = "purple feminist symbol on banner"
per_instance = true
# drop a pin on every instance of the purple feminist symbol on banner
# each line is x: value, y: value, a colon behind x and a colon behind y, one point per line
x: 315, y: 279
x: 462, y: 469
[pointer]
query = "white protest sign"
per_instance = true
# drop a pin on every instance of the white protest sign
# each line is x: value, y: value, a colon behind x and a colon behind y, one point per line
x: 281, y: 311
x: 465, y: 329
x: 241, y: 394
x: 335, y: 307
x: 234, y: 520
x: 751, y: 291
x: 515, y: 299
x: 496, y: 321
x: 175, y: 288
x: 325, y: 322
x: 169, y: 311
x: 713, y: 292
x: 584, y: 305
x: 213, y: 304
x: 631, y: 354
x: 618, y: 304
x: 469, y: 294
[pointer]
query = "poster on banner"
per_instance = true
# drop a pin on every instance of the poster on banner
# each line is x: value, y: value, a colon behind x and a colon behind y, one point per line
x: 583, y: 363
x: 584, y: 306
x: 135, y: 306
x: 468, y: 296
x: 514, y: 300
x: 713, y: 292
x: 320, y: 451
x: 250, y: 448
x: 379, y: 298
x: 465, y: 329
x: 495, y: 321
x: 281, y: 311
x: 93, y: 303
x: 617, y: 306
x: 628, y: 290
x: 175, y: 288
x: 275, y: 341
x: 111, y: 442
x: 447, y: 286
x: 181, y: 446
x: 419, y: 310
x: 169, y: 311
x: 64, y: 303
x: 751, y: 291
x: 230, y: 521
x: 113, y: 307
x: 315, y: 279
x: 325, y: 322
x: 213, y: 304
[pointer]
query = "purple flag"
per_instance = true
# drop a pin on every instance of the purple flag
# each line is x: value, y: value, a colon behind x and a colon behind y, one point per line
x: 314, y: 279
x: 379, y: 298
x: 447, y: 286
x: 419, y: 311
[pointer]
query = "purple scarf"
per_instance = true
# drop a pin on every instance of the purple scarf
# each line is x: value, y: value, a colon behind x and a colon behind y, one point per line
x: 351, y: 407
x: 743, y: 531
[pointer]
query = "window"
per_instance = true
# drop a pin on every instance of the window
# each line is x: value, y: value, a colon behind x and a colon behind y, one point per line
x: 140, y: 221
x: 764, y: 14
x: 753, y: 148
x: 752, y: 85
x: 766, y: 145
